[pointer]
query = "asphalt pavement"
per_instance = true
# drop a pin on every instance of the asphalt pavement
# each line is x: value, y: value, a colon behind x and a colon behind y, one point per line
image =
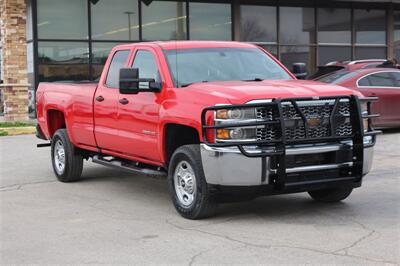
x: 111, y: 217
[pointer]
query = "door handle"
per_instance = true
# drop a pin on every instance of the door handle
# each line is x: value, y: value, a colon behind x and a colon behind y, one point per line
x: 100, y: 98
x: 124, y: 101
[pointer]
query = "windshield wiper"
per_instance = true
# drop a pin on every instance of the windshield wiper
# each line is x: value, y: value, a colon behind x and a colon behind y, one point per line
x: 255, y: 79
x: 188, y: 84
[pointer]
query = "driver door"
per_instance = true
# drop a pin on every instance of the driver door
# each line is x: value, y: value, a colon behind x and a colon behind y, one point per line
x: 138, y: 114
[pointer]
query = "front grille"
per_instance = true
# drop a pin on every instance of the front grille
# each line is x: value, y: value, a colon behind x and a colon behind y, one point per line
x: 266, y: 113
x: 316, y: 113
x: 267, y: 132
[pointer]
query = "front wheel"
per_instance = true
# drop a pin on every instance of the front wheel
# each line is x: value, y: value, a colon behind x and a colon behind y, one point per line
x: 331, y: 194
x: 187, y: 184
x: 67, y: 165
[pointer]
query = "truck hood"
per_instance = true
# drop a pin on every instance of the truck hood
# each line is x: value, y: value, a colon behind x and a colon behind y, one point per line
x: 239, y: 92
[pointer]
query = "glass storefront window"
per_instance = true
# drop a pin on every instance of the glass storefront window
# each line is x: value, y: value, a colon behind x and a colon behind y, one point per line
x: 100, y: 53
x: 297, y: 25
x: 163, y: 20
x: 60, y: 19
x: 334, y: 25
x: 258, y: 24
x: 63, y: 61
x: 370, y: 52
x: 370, y: 26
x: 298, y: 54
x: 272, y: 49
x: 396, y: 35
x: 210, y: 21
x: 115, y: 20
x: 328, y: 54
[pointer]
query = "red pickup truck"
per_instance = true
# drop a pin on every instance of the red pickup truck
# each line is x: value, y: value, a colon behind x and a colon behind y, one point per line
x: 222, y: 120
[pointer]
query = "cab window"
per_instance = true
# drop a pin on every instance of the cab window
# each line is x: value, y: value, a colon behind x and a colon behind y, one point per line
x: 118, y: 61
x: 147, y: 65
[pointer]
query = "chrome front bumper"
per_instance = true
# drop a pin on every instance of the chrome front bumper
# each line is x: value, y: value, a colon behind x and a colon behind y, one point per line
x: 229, y: 167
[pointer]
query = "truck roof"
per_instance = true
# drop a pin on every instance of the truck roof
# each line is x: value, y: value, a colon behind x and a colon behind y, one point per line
x: 171, y: 45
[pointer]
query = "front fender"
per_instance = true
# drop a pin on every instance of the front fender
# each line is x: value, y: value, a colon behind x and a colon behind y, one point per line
x: 185, y: 114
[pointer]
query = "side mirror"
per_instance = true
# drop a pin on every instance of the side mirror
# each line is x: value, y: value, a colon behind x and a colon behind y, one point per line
x: 299, y: 70
x: 129, y: 82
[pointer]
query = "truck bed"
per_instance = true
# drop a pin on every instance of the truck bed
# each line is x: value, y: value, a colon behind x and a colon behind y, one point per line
x: 69, y: 98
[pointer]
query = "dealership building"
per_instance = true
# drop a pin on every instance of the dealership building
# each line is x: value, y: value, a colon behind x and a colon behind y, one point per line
x: 69, y: 40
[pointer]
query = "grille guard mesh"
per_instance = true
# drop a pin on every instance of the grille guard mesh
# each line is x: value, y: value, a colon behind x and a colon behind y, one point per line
x: 277, y: 146
x: 278, y: 121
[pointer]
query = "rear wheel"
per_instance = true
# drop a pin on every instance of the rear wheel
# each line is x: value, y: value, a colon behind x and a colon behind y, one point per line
x: 331, y: 194
x: 67, y: 165
x: 187, y: 184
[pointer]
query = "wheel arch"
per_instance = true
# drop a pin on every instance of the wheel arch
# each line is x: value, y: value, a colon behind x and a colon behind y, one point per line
x: 176, y: 135
x: 55, y: 120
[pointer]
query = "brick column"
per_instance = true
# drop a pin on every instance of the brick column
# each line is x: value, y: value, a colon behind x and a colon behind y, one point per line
x: 15, y: 80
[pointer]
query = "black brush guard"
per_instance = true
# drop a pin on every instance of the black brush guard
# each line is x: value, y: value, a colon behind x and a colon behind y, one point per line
x: 277, y: 147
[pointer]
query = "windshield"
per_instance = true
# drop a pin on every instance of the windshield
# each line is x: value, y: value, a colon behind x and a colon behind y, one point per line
x: 336, y: 77
x: 222, y: 64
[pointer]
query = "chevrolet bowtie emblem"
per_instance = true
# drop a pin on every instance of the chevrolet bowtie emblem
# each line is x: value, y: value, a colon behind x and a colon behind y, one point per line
x: 314, y: 121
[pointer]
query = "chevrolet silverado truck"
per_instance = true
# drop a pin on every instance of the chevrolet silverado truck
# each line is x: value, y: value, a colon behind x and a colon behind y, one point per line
x: 224, y: 121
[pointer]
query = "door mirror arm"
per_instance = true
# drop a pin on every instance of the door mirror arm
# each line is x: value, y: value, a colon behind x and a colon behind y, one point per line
x: 155, y: 86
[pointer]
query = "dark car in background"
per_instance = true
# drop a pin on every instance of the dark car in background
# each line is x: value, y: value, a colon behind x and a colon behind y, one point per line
x: 371, y: 79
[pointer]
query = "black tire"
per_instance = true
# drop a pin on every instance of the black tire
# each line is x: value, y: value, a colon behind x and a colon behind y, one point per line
x: 331, y: 194
x: 204, y: 203
x: 73, y: 163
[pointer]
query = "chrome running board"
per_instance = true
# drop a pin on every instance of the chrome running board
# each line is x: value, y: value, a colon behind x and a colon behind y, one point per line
x: 127, y: 167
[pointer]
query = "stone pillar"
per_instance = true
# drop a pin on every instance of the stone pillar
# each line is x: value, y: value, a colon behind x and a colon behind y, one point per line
x: 15, y: 79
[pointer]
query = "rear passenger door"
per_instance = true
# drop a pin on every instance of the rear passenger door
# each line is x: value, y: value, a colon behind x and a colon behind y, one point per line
x: 106, y: 103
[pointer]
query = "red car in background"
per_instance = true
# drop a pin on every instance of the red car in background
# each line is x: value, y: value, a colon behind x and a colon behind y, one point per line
x: 348, y: 65
x: 371, y: 78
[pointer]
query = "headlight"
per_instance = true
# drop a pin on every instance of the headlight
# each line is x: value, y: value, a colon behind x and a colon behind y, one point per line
x: 233, y: 116
x: 237, y: 133
x: 236, y: 114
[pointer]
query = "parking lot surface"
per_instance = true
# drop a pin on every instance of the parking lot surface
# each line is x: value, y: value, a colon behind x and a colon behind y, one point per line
x: 112, y: 217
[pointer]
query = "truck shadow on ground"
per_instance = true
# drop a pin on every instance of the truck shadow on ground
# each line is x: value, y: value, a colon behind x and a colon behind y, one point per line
x: 391, y: 131
x: 283, y: 207
x: 280, y: 207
